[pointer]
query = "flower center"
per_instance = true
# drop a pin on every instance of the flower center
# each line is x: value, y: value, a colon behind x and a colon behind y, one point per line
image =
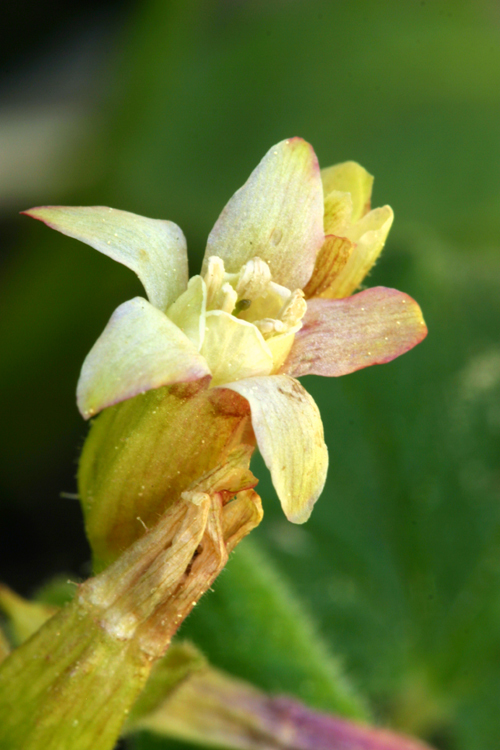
x: 251, y: 295
x: 243, y: 324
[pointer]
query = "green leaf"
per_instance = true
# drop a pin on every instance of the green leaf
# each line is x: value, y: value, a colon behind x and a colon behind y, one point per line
x: 253, y: 626
x: 181, y: 660
x: 25, y: 617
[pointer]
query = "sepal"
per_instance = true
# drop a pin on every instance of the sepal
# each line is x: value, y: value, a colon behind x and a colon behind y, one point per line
x: 142, y: 454
x: 74, y: 681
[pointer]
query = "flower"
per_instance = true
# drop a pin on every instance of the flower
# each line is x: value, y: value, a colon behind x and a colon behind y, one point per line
x: 271, y: 304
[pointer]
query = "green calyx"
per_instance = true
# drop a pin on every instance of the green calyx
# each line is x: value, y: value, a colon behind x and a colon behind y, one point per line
x: 141, y: 455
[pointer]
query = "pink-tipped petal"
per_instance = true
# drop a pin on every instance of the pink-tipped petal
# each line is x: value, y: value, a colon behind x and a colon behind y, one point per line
x: 340, y: 336
x: 139, y: 350
x: 289, y: 432
x: 155, y: 250
x: 277, y: 215
x: 312, y: 730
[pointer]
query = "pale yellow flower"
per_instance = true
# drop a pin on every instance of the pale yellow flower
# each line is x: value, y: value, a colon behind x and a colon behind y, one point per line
x: 246, y: 322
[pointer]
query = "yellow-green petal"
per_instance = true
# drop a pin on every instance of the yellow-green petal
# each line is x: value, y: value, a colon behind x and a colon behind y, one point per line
x: 350, y: 177
x: 154, y: 249
x: 289, y: 433
x: 280, y: 347
x: 188, y: 311
x: 277, y: 215
x: 331, y: 260
x: 139, y: 350
x: 234, y: 349
x: 338, y: 212
x: 369, y: 236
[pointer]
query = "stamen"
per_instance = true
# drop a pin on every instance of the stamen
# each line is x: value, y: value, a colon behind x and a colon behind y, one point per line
x: 213, y: 279
x: 227, y: 298
x: 280, y: 291
x: 254, y: 278
x: 269, y: 326
x: 294, y: 309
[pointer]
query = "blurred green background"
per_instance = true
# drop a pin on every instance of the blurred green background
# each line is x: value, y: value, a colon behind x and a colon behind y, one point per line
x: 163, y: 108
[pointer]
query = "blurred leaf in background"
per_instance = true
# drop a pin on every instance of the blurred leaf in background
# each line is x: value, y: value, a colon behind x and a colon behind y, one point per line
x: 400, y: 563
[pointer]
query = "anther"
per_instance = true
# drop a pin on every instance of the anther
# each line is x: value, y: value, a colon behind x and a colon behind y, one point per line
x: 228, y: 298
x: 254, y: 278
x: 214, y: 278
x: 294, y: 309
x: 269, y: 326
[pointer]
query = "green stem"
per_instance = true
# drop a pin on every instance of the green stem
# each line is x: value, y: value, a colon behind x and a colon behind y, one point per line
x: 72, y: 684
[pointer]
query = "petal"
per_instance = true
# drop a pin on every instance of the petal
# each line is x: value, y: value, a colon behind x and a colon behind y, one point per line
x: 331, y: 260
x: 140, y: 349
x: 234, y: 349
x: 350, y: 177
x: 289, y: 433
x: 154, y: 249
x: 280, y: 347
x: 277, y: 215
x: 338, y: 212
x: 369, y: 236
x: 341, y: 336
x: 188, y: 311
x: 268, y: 305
